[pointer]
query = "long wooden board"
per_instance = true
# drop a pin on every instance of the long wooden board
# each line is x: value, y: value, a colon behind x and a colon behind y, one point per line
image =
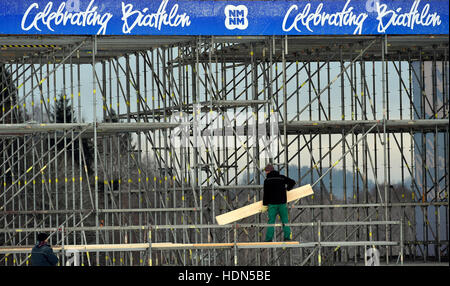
x: 255, y: 208
x: 145, y: 246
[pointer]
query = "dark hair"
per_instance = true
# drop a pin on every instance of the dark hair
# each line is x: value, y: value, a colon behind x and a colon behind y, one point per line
x: 42, y: 236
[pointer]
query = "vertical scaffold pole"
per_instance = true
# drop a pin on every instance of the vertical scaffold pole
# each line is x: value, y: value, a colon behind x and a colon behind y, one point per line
x: 94, y: 96
x: 383, y: 89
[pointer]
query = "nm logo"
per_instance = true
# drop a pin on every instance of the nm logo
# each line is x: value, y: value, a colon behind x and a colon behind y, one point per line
x: 236, y: 17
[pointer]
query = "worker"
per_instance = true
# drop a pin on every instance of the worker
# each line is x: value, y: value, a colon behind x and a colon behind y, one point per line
x: 42, y: 253
x: 275, y: 200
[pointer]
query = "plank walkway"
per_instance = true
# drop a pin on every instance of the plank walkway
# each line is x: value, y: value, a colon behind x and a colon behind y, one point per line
x: 154, y: 246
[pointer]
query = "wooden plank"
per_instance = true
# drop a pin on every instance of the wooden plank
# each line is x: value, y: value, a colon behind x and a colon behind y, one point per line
x: 298, y: 193
x: 255, y: 208
x: 145, y: 246
x: 125, y: 247
x: 272, y: 243
x: 231, y: 244
x: 239, y: 213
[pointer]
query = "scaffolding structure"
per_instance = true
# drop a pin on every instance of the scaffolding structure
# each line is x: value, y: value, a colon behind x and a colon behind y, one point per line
x: 159, y: 135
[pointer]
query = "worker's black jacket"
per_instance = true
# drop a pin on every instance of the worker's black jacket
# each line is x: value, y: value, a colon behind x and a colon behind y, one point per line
x: 42, y: 255
x: 275, y: 187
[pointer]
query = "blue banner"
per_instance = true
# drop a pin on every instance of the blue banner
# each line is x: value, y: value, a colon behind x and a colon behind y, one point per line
x: 187, y: 17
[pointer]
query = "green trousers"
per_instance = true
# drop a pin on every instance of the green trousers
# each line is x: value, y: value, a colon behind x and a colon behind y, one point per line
x: 273, y: 211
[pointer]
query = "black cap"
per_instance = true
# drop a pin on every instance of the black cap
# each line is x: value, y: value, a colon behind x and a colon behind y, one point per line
x: 42, y: 236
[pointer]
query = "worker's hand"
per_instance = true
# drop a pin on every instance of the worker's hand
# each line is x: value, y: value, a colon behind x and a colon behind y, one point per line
x: 264, y: 208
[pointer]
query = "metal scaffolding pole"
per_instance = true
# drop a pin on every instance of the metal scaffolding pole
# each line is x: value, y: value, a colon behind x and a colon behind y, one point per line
x: 119, y: 178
